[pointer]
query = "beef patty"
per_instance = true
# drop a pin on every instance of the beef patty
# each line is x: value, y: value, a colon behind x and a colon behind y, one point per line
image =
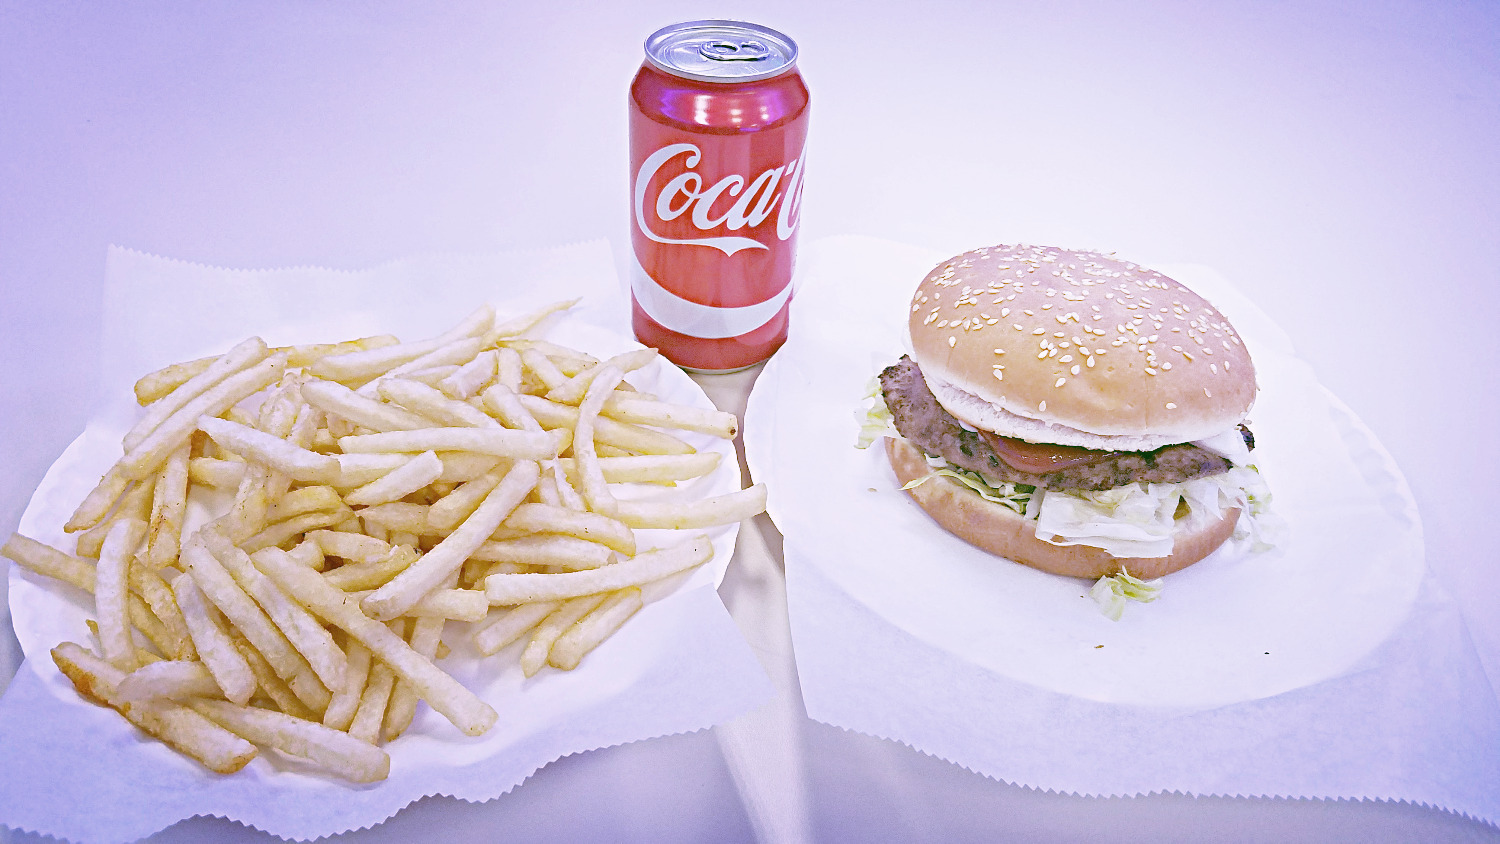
x: 920, y: 418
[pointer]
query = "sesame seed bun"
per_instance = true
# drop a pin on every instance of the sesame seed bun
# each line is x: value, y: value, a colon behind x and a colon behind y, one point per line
x: 1003, y: 532
x: 1077, y: 348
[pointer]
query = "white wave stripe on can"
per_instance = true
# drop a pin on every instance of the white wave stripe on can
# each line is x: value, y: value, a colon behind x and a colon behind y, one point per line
x: 703, y: 321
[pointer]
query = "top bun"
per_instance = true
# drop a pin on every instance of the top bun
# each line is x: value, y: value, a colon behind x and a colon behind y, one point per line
x: 1077, y: 348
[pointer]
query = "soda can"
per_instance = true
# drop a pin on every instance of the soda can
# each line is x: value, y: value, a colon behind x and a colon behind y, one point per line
x: 718, y: 128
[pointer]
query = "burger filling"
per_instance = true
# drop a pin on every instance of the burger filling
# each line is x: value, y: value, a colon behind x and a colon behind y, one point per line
x: 1129, y: 503
x: 919, y: 418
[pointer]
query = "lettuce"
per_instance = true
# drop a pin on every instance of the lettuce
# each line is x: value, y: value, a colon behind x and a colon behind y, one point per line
x: 875, y: 419
x: 1111, y: 593
x: 1014, y: 496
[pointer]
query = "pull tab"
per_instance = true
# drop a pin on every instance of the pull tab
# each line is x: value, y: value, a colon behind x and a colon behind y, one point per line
x: 731, y: 51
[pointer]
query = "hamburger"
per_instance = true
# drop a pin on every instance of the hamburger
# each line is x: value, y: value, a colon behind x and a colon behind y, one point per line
x: 1073, y: 412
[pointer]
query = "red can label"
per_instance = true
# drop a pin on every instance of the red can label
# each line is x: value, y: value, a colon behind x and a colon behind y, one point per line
x: 716, y: 182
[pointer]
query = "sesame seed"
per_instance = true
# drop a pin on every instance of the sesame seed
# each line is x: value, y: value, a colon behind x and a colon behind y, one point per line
x: 1171, y: 405
x: 1166, y: 365
x: 1150, y: 371
x: 1207, y: 393
x: 1060, y: 382
x: 1041, y: 405
x: 1065, y: 358
x: 952, y: 341
x: 1040, y: 331
x: 1090, y: 361
x: 1075, y: 369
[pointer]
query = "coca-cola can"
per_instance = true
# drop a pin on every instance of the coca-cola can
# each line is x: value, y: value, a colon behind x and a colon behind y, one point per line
x: 718, y: 126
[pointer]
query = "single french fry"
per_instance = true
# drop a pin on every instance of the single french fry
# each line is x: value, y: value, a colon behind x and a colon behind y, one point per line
x: 241, y: 357
x: 516, y: 326
x: 213, y: 645
x: 591, y: 630
x: 330, y: 749
x: 135, y: 503
x: 111, y: 586
x: 270, y: 687
x: 568, y: 361
x: 216, y: 473
x: 345, y: 701
x: 147, y: 456
x: 413, y: 475
x: 457, y: 604
x: 651, y: 468
x: 594, y: 527
x: 595, y: 491
x: 158, y: 597
x: 337, y: 399
x: 547, y: 550
x: 179, y: 727
x: 168, y: 508
x: 430, y: 404
x: 372, y: 574
x: 607, y: 431
x: 168, y: 679
x: 449, y: 511
x: 408, y: 587
x: 49, y: 562
x: 292, y: 528
x: 401, y: 516
x: 509, y: 589
x: 503, y: 402
x: 376, y: 696
x: 281, y: 455
x: 308, y: 553
x: 473, y: 376
x: 360, y: 366
x: 100, y: 500
x: 715, y: 423
x: 573, y: 391
x: 707, y: 512
x: 426, y: 635
x: 443, y: 693
x: 553, y: 626
x: 455, y: 353
x: 307, y: 499
x: 542, y: 367
x: 497, y: 442
x: 356, y: 470
x: 356, y: 547
x: 306, y: 354
x: 508, y: 369
x: 508, y: 625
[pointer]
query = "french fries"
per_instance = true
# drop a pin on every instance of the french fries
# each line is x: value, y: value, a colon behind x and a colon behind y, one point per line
x: 375, y: 499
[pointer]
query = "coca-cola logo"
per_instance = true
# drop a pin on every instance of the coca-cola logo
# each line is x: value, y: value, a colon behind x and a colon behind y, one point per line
x: 755, y: 200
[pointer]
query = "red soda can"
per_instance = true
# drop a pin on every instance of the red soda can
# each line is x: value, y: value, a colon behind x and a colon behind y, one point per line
x: 718, y: 125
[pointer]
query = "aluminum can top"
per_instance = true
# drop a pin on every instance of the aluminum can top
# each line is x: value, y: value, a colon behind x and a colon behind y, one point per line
x: 721, y: 51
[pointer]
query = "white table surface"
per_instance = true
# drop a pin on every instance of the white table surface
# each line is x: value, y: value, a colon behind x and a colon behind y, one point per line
x: 1336, y: 161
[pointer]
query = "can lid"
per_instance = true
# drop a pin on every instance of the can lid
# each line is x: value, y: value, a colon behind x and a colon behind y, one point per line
x: 720, y: 51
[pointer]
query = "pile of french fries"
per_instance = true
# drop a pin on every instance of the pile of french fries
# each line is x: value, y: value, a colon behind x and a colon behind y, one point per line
x: 276, y: 557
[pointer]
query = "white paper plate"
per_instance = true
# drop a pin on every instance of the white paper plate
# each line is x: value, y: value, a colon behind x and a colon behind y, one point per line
x: 46, y: 613
x: 1233, y: 627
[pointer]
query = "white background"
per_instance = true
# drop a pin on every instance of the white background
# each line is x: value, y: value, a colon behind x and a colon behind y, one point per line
x: 1338, y: 162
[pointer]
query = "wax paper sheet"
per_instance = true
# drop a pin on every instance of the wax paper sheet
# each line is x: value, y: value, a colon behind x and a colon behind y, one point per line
x: 1329, y: 666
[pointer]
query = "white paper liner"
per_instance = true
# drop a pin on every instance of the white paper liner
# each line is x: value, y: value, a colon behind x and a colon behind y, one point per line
x: 678, y: 665
x: 943, y: 647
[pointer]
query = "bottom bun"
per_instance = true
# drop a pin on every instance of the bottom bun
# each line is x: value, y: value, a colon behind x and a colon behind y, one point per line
x: 1004, y: 532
